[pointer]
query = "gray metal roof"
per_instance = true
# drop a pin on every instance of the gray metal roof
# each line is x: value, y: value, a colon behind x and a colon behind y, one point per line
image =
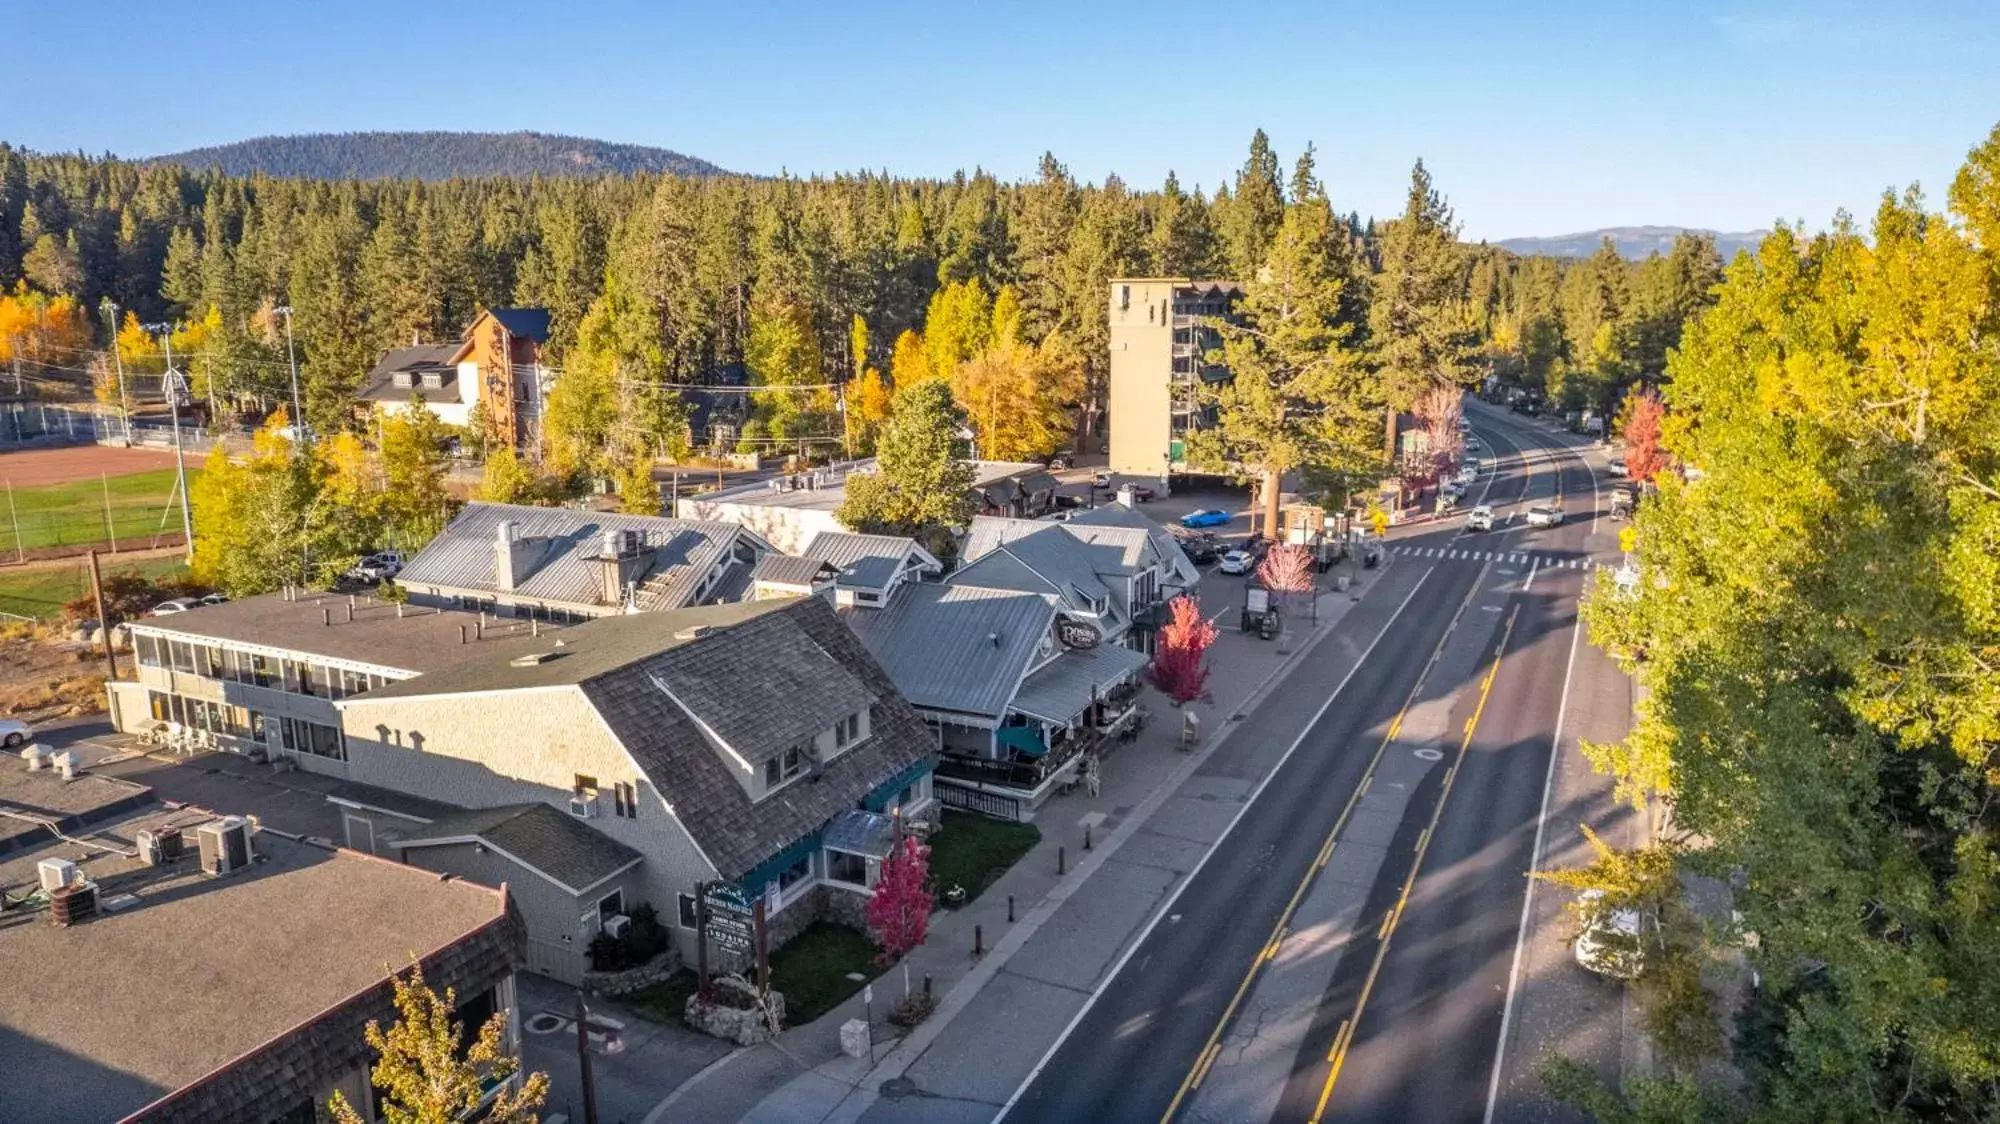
x: 1047, y: 560
x: 379, y: 385
x: 790, y: 569
x: 1165, y: 548
x: 554, y: 843
x: 412, y: 639
x: 869, y: 561
x: 1059, y: 691
x: 958, y: 648
x: 563, y: 549
x: 1113, y: 548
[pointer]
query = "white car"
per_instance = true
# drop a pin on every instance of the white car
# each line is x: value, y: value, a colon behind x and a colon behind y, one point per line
x: 1467, y: 475
x: 1545, y: 516
x: 1481, y: 519
x: 1617, y: 468
x: 1236, y: 562
x: 1610, y: 942
x: 1473, y: 444
x: 13, y: 732
x: 177, y: 605
x: 380, y: 566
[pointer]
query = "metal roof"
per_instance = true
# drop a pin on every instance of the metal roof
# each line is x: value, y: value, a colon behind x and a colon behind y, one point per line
x: 380, y: 383
x: 562, y: 554
x: 790, y: 569
x: 1165, y: 547
x: 869, y: 561
x: 957, y: 648
x: 1045, y: 561
x: 1059, y: 691
x: 530, y: 322
x: 1111, y: 548
x: 862, y: 833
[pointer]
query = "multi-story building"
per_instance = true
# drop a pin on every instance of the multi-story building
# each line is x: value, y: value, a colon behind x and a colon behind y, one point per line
x: 260, y: 676
x: 496, y: 366
x: 1161, y: 340
x: 791, y: 511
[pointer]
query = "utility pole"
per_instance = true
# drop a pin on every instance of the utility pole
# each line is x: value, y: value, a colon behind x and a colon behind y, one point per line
x: 583, y: 1061
x: 118, y: 358
x: 292, y: 357
x: 103, y: 623
x: 172, y: 384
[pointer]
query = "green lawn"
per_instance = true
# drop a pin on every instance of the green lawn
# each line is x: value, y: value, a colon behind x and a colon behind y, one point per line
x: 140, y: 504
x: 811, y: 970
x: 42, y: 591
x: 664, y: 1002
x: 973, y: 851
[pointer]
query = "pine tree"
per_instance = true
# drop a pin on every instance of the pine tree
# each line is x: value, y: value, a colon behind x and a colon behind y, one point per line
x: 1418, y: 318
x: 921, y: 486
x: 1255, y: 210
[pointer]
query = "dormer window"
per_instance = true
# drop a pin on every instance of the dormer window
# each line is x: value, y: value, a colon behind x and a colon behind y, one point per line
x: 784, y: 767
x: 433, y: 380
x: 403, y: 379
x: 847, y: 731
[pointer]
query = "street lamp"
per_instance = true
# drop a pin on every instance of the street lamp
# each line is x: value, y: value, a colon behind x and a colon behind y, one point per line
x: 175, y: 387
x: 124, y: 406
x: 292, y: 356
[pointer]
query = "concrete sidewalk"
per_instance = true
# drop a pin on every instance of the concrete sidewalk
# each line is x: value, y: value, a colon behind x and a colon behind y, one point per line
x: 998, y: 1012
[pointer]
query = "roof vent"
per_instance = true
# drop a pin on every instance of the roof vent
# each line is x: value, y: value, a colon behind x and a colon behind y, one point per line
x: 694, y: 632
x: 533, y: 659
x: 994, y: 638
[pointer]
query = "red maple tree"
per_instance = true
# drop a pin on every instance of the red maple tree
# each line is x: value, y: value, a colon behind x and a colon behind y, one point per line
x: 1644, y: 459
x: 899, y: 912
x: 1180, y: 658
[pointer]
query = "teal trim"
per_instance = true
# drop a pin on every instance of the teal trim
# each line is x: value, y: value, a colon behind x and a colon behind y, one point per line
x: 878, y: 799
x: 767, y: 871
x: 1025, y: 740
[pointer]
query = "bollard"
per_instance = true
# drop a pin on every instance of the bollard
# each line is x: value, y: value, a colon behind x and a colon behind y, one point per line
x: 1062, y: 861
x: 1086, y: 837
x: 978, y: 940
x: 1010, y: 909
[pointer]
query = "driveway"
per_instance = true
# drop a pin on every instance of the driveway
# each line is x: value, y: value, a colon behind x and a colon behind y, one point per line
x: 633, y: 1062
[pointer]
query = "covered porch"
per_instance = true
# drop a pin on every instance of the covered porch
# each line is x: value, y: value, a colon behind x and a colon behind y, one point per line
x: 1062, y: 712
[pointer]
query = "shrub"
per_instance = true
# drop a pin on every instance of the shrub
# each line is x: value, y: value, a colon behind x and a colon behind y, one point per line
x: 644, y: 939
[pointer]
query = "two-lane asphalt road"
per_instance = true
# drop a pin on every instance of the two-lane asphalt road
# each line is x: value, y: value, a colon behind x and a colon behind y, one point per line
x: 1345, y: 951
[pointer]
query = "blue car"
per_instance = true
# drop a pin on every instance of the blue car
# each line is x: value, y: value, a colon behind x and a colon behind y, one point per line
x: 1207, y: 518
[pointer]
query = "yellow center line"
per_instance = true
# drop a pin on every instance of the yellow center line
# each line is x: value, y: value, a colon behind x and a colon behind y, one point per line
x: 1345, y: 1038
x: 1214, y: 1043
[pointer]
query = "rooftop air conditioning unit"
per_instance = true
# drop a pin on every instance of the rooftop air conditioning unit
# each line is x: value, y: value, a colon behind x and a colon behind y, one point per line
x: 225, y: 845
x: 55, y: 874
x: 37, y: 756
x: 582, y: 807
x: 616, y: 924
x: 149, y: 846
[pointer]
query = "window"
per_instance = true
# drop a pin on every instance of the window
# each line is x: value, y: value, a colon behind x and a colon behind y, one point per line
x: 610, y: 906
x: 784, y: 767
x: 181, y: 655
x: 688, y: 917
x: 625, y: 800
x: 867, y: 598
x: 148, y: 649
x: 161, y: 713
x: 796, y: 873
x: 585, y: 788
x: 844, y: 867
x: 847, y: 731
x: 301, y: 736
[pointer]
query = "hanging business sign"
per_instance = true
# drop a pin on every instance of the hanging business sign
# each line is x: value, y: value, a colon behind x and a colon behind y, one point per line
x: 1075, y: 634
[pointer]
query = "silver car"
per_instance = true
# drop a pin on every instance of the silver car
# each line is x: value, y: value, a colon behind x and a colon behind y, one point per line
x: 13, y: 732
x: 1545, y: 516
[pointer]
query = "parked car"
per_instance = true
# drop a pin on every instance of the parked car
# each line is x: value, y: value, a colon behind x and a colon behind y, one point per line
x: 177, y: 605
x: 1142, y: 493
x: 1467, y: 475
x: 1480, y: 519
x: 1060, y: 461
x: 215, y: 599
x: 1065, y: 503
x: 380, y: 566
x: 1100, y: 479
x: 13, y: 732
x: 1545, y: 516
x: 1237, y: 562
x: 1610, y: 940
x: 1473, y: 444
x: 1201, y: 549
x: 1616, y: 468
x: 1207, y: 517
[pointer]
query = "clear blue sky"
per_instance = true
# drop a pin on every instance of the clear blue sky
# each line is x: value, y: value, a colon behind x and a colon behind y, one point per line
x: 1536, y: 117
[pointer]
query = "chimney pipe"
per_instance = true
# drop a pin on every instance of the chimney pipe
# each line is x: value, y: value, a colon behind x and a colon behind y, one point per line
x: 461, y: 634
x: 399, y: 610
x: 534, y: 627
x: 326, y: 616
x: 350, y: 610
x: 479, y: 630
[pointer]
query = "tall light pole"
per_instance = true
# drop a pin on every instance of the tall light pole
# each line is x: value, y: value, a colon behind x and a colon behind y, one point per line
x: 124, y: 406
x: 292, y: 356
x: 173, y: 384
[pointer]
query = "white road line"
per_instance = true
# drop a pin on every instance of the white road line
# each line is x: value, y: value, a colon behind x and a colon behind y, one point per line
x: 1534, y: 864
x: 1188, y: 880
x: 1528, y: 583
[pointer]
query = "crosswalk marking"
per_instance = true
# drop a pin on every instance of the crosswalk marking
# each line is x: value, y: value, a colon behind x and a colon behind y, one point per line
x: 1517, y: 558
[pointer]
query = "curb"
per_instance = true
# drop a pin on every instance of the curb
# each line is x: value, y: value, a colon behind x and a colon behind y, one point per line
x: 911, y: 1048
x: 673, y: 1098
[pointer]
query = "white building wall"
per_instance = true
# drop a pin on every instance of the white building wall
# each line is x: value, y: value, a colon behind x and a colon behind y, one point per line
x: 789, y: 529
x: 513, y: 747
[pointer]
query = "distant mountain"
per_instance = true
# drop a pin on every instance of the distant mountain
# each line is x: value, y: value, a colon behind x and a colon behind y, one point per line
x: 436, y: 156
x: 1634, y: 242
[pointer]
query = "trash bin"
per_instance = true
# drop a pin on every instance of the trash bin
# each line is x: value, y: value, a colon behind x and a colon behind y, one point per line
x: 1340, y: 583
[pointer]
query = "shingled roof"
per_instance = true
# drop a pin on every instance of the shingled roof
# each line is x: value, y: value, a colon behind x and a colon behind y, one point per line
x: 554, y: 844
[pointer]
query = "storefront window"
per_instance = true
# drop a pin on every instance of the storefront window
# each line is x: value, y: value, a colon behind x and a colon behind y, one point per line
x: 846, y: 867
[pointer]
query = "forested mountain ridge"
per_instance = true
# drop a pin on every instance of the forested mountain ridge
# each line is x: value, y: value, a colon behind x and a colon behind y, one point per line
x: 1634, y: 242
x: 434, y: 156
